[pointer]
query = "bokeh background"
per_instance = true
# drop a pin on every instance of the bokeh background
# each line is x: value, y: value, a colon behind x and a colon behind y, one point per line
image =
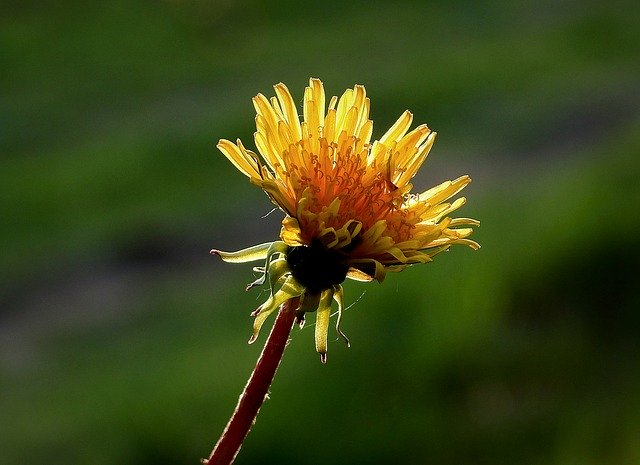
x: 123, y: 342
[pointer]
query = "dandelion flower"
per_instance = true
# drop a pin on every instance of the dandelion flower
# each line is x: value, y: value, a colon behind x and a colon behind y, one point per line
x: 349, y: 210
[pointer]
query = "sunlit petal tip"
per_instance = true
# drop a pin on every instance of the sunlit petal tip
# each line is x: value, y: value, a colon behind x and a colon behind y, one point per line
x: 473, y: 244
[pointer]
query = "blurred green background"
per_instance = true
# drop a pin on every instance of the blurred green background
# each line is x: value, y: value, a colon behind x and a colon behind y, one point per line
x: 123, y: 342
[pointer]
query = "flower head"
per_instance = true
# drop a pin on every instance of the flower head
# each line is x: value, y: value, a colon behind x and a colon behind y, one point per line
x: 349, y: 209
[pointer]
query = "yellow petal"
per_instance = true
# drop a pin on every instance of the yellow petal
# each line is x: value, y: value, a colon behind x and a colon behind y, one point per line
x: 370, y: 267
x: 290, y: 232
x: 248, y: 166
x: 398, y: 130
x: 444, y: 191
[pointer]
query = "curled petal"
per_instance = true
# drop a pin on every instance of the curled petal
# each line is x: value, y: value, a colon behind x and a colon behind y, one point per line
x: 347, y: 233
x: 358, y: 275
x: 370, y: 267
x: 337, y: 296
x: 468, y: 242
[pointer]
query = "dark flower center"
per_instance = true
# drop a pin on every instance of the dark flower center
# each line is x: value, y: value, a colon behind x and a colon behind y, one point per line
x: 316, y: 267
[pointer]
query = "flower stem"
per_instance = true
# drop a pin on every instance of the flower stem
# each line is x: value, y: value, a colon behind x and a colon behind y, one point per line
x: 256, y: 390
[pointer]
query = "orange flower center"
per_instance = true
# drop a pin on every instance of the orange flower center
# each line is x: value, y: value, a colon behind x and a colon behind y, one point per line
x: 365, y: 192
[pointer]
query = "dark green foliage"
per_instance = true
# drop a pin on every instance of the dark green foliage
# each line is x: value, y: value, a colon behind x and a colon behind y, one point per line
x: 123, y: 342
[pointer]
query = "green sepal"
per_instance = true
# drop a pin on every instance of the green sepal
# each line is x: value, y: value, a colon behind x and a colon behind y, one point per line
x: 259, y: 281
x: 290, y: 288
x: 276, y: 270
x: 277, y: 247
x: 309, y: 302
x: 322, y: 323
x: 251, y: 254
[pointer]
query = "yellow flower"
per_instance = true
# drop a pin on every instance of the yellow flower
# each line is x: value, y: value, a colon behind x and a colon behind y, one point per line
x: 349, y: 210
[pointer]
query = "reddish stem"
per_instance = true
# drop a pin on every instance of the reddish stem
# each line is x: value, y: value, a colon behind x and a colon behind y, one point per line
x: 255, y: 392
